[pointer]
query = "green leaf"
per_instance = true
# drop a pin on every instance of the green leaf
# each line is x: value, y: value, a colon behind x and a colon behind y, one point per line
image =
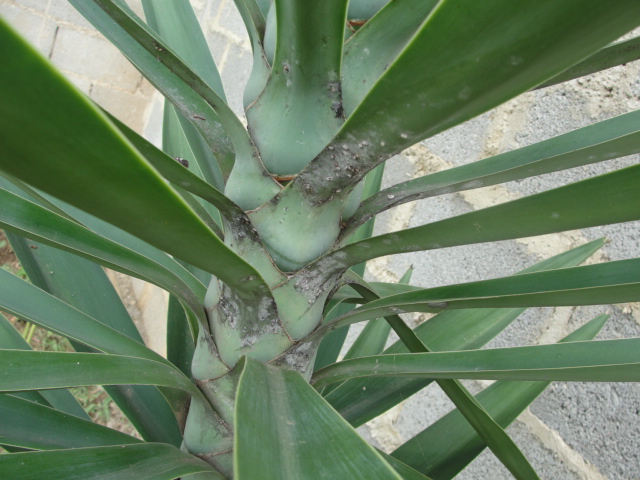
x: 375, y: 46
x: 133, y: 195
x: 360, y: 400
x: 247, y: 184
x: 99, y: 242
x: 24, y: 300
x: 616, y: 137
x: 331, y: 344
x: 301, y: 104
x: 61, y: 399
x: 427, y: 89
x: 612, y: 282
x: 348, y: 294
x: 36, y: 222
x: 180, y: 351
x: 602, y: 200
x: 597, y: 361
x: 171, y: 20
x: 182, y: 178
x: 618, y: 53
x: 405, y: 471
x: 31, y: 370
x: 444, y: 448
x: 496, y: 438
x: 254, y: 18
x: 371, y: 186
x: 180, y: 343
x: 373, y: 337
x: 186, y: 90
x: 176, y: 173
x: 29, y: 425
x: 371, y: 340
x: 152, y: 461
x: 282, y: 424
x: 74, y: 281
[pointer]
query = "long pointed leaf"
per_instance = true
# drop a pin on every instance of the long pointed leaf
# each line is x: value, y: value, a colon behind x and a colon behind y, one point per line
x: 29, y: 425
x: 618, y: 53
x: 362, y: 399
x: 103, y: 158
x: 176, y: 173
x: 427, y: 89
x: 74, y: 281
x: 375, y: 46
x: 152, y: 461
x: 170, y: 20
x: 612, y: 282
x: 28, y: 302
x: 33, y: 221
x: 496, y: 438
x: 281, y: 423
x: 447, y: 446
x: 331, y: 345
x: 208, y: 113
x: 31, y: 370
x: 374, y: 336
x: 61, y: 399
x: 188, y: 93
x: 143, y: 405
x: 405, y: 471
x: 147, y: 263
x: 602, y: 200
x: 180, y: 344
x: 597, y: 361
x: 616, y: 137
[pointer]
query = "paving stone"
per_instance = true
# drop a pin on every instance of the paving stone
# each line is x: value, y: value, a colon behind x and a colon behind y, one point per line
x: 594, y: 418
x: 464, y: 143
x: 229, y: 19
x: 201, y: 8
x: 218, y: 45
x: 94, y: 57
x: 154, y: 313
x: 235, y: 74
x: 64, y: 12
x: 39, y: 30
x: 153, y: 125
x: 38, y: 5
x: 127, y: 107
x: 547, y: 463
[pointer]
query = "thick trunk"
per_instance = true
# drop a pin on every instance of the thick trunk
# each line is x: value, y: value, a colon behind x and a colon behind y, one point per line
x: 238, y: 328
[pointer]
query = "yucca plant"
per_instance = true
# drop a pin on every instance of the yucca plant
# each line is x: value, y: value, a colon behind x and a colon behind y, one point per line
x: 260, y: 235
